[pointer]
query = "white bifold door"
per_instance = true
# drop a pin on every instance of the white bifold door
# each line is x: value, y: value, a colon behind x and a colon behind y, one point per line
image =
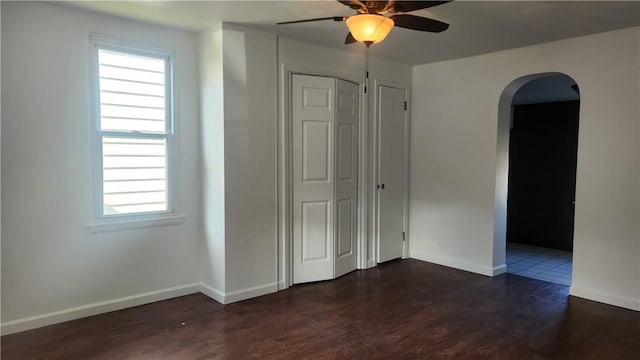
x: 324, y: 114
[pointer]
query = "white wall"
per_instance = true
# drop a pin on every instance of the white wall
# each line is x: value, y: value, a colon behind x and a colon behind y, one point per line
x: 212, y: 141
x: 51, y: 262
x: 313, y: 59
x: 239, y: 101
x: 250, y: 85
x: 453, y: 158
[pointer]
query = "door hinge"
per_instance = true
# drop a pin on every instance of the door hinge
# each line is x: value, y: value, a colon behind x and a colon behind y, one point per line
x: 405, y: 105
x: 403, y: 236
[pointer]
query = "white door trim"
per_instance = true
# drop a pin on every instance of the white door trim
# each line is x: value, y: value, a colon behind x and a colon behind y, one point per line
x: 284, y: 189
x: 376, y: 164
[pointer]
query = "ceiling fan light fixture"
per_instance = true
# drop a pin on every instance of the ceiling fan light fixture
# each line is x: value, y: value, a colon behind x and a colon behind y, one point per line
x: 369, y: 28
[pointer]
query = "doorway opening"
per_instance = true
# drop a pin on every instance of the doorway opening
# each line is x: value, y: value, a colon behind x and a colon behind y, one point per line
x: 540, y: 179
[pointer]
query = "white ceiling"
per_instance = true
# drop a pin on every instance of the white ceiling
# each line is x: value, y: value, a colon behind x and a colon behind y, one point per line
x: 477, y: 27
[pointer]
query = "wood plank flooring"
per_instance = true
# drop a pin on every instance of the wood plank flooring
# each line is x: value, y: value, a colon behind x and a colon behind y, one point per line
x: 402, y: 310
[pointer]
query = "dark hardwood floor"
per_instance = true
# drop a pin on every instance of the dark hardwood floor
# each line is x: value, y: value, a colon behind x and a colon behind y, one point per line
x: 402, y: 310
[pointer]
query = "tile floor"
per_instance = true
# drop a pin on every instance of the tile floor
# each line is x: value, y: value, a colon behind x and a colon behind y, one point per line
x: 539, y: 263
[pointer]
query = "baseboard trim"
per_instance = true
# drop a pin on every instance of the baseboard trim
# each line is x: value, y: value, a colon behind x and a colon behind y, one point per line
x: 32, y: 322
x: 456, y: 264
x: 282, y: 286
x: 212, y: 292
x: 55, y: 317
x: 500, y: 269
x: 238, y: 295
x: 251, y: 292
x: 606, y: 298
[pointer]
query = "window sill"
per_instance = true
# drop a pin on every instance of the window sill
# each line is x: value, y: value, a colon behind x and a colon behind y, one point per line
x: 128, y: 224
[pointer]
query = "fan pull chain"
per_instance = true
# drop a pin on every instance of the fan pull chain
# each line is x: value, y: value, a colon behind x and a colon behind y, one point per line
x: 366, y: 68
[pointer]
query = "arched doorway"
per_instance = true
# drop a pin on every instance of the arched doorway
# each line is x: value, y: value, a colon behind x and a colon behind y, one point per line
x: 535, y: 176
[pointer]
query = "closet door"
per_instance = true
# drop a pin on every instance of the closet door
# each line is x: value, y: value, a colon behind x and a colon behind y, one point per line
x: 312, y: 133
x: 346, y: 180
x: 391, y: 176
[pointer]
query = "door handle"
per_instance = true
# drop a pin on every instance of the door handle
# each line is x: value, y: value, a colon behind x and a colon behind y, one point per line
x: 381, y: 186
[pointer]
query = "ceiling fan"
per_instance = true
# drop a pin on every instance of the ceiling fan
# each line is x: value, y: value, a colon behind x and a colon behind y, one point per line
x: 370, y: 24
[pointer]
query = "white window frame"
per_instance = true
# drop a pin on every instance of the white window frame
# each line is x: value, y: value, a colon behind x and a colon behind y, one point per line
x: 113, y: 222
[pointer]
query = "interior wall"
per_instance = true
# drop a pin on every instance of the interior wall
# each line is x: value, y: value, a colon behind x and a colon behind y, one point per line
x: 453, y: 159
x: 238, y: 82
x: 212, y: 148
x: 250, y: 98
x: 347, y: 64
x: 53, y: 267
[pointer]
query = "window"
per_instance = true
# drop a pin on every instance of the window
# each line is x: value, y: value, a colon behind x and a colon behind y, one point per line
x: 134, y: 133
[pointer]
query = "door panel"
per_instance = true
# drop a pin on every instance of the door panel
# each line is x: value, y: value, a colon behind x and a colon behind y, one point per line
x: 391, y: 145
x: 315, y: 231
x: 345, y: 152
x: 315, y: 151
x: 312, y: 107
x: 346, y: 191
x: 344, y: 221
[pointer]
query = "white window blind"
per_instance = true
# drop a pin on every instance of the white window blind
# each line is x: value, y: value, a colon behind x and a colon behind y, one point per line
x: 134, y: 128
